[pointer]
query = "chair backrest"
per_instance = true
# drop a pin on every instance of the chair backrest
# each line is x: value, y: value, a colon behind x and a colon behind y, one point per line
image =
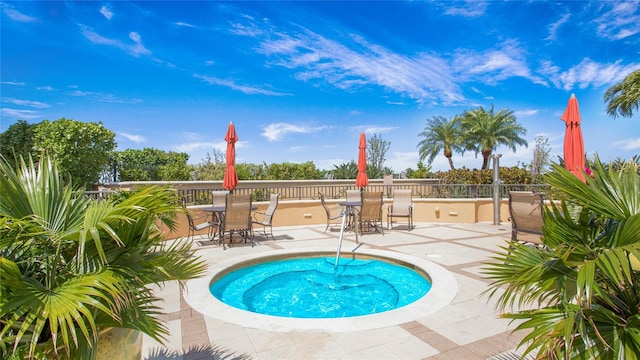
x: 354, y: 196
x: 219, y: 198
x: 192, y: 224
x: 237, y: 213
x: 525, y: 210
x: 371, y: 206
x: 273, y: 205
x: 401, y: 202
x: 324, y: 204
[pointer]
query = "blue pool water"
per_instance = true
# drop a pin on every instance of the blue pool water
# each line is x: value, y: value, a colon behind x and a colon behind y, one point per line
x: 315, y: 288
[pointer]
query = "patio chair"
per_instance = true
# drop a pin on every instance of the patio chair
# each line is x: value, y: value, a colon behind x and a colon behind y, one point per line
x: 219, y: 197
x: 333, y: 213
x: 401, y: 207
x: 267, y: 215
x: 525, y: 214
x: 371, y: 211
x: 237, y: 218
x: 193, y: 227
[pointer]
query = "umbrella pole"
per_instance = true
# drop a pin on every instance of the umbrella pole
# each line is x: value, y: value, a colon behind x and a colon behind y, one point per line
x: 344, y: 221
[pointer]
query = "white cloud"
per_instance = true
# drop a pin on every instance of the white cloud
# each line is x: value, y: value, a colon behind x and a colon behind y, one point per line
x: 620, y: 21
x: 106, y: 12
x: 20, y: 114
x: 628, y: 144
x: 45, y: 88
x: 15, y: 15
x: 12, y: 83
x: 590, y: 73
x: 553, y: 28
x: 525, y: 113
x: 184, y: 24
x: 275, y: 132
x: 192, y: 146
x: 242, y: 88
x: 469, y: 8
x: 367, y: 129
x: 35, y: 104
x: 138, y: 139
x: 136, y: 49
x: 102, y: 97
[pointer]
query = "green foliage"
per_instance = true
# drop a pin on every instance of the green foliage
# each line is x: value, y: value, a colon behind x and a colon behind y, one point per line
x: 440, y: 135
x: 508, y: 175
x: 345, y: 170
x: 483, y: 131
x: 72, y: 266
x: 17, y: 141
x: 578, y: 297
x: 152, y: 165
x: 292, y: 171
x: 423, y: 172
x: 376, y: 155
x: 81, y: 149
x: 623, y: 98
x: 540, y: 163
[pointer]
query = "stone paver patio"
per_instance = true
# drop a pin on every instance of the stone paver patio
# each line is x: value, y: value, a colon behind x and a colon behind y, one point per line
x: 468, y: 327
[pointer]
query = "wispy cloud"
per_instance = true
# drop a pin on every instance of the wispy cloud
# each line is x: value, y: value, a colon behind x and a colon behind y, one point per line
x: 138, y: 139
x: 45, y: 88
x: 353, y: 63
x: 275, y: 132
x: 136, y: 49
x: 507, y: 60
x: 590, y: 73
x: 553, y: 28
x: 620, y: 21
x: 183, y: 24
x: 106, y: 12
x: 102, y: 97
x: 368, y: 129
x: 525, y: 113
x: 468, y: 8
x: 628, y: 144
x: 12, y: 83
x: 16, y: 15
x: 29, y: 103
x: 20, y: 114
x: 247, y: 89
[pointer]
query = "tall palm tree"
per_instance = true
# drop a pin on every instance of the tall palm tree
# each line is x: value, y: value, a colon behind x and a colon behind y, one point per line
x: 440, y: 134
x: 484, y: 130
x: 71, y: 267
x: 579, y: 295
x: 624, y: 97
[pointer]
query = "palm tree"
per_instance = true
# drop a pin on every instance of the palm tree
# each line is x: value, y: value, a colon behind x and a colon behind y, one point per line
x: 579, y: 295
x: 624, y: 97
x: 345, y: 170
x: 440, y: 134
x: 71, y: 267
x: 484, y: 130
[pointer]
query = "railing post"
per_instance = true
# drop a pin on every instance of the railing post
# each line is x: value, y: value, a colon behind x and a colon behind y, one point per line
x: 496, y: 188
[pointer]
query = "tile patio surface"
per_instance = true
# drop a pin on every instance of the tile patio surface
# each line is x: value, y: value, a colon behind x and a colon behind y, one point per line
x: 467, y: 327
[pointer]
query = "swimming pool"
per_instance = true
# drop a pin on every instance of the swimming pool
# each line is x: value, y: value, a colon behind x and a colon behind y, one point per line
x: 443, y: 290
x: 313, y: 287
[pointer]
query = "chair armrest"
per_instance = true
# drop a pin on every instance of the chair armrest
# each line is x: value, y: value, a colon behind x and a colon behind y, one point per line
x: 253, y: 215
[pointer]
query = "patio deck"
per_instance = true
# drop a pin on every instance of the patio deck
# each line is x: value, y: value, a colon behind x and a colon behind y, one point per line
x: 468, y: 328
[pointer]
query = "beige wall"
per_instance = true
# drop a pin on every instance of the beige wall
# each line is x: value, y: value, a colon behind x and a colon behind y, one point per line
x: 310, y: 212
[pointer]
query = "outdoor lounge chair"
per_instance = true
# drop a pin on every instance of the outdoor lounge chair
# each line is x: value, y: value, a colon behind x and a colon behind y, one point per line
x: 401, y: 207
x: 333, y: 213
x: 525, y: 214
x: 267, y: 215
x: 371, y: 211
x: 193, y: 227
x: 237, y: 218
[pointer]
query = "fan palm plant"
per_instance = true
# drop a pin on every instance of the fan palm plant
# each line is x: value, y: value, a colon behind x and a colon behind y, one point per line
x: 71, y: 267
x: 579, y: 295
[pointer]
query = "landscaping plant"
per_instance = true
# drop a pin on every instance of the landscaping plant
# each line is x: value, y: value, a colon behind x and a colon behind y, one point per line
x: 72, y: 266
x: 578, y: 296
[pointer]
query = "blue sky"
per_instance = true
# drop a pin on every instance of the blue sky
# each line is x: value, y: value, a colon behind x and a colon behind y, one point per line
x: 301, y: 80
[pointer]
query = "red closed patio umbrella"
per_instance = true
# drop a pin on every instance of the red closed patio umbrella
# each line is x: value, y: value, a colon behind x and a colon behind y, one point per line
x: 230, y: 175
x: 573, y: 142
x: 362, y: 180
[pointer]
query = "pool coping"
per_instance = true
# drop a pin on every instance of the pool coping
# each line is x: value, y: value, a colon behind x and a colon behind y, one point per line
x: 443, y: 290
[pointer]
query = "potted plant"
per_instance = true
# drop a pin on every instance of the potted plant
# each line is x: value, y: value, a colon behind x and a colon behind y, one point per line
x: 72, y: 267
x: 578, y: 296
